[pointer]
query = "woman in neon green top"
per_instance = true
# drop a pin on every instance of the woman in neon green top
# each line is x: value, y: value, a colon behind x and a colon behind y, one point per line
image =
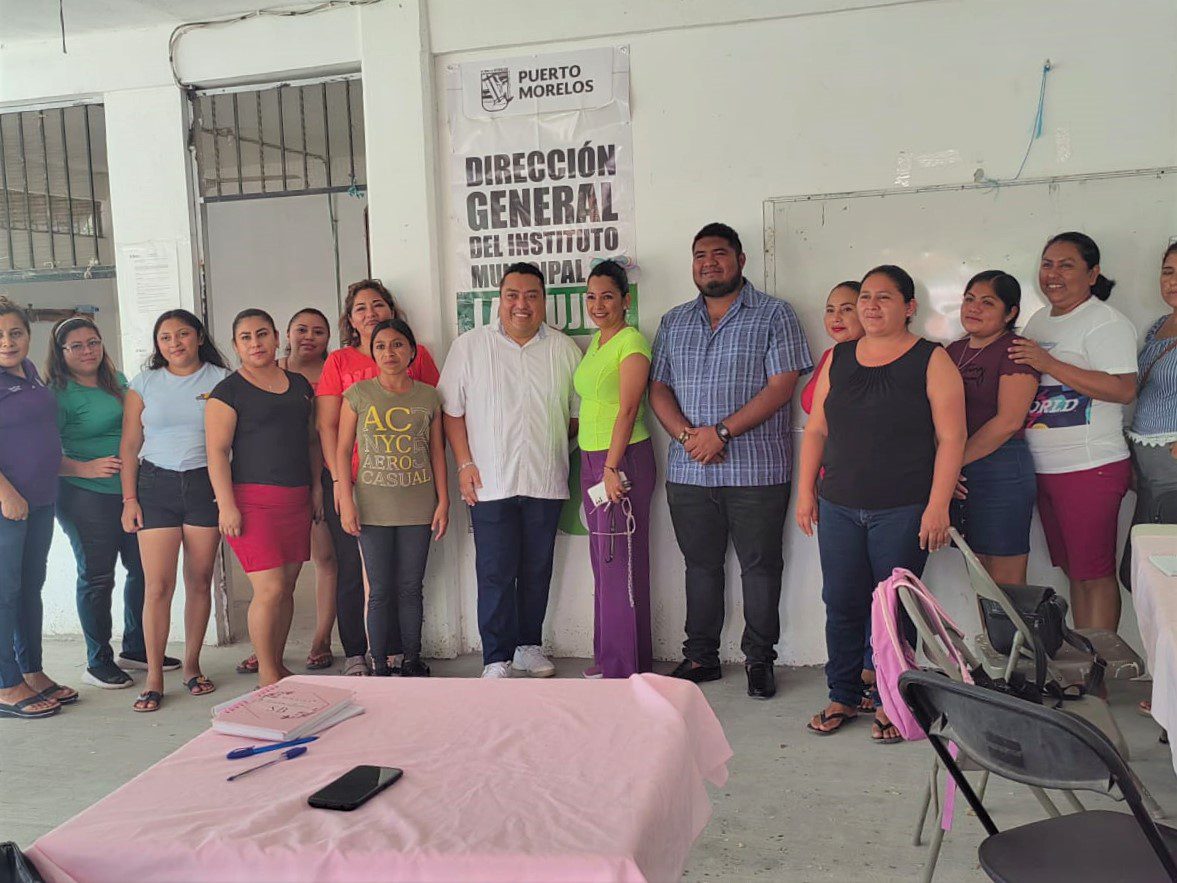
x: 615, y: 449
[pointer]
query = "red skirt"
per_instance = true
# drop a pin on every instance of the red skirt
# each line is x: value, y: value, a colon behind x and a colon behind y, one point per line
x: 275, y: 526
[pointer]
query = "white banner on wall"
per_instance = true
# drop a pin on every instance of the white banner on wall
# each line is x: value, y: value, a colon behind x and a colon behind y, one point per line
x: 541, y: 170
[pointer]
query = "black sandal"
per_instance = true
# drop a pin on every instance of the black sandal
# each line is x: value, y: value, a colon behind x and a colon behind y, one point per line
x: 69, y: 699
x: 148, y: 696
x: 196, y: 685
x: 20, y: 709
x: 877, y: 730
x: 842, y: 717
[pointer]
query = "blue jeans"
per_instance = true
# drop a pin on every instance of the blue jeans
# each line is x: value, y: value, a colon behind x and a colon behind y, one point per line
x: 859, y: 548
x: 92, y: 522
x: 1002, y: 489
x: 24, y: 551
x: 514, y: 541
x: 394, y: 559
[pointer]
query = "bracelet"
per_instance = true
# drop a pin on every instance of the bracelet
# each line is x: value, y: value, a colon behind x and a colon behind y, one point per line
x: 466, y: 465
x: 684, y: 435
x: 130, y: 499
x: 611, y: 468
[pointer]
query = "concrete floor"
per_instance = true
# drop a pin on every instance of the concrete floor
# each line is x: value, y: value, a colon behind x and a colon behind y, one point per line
x: 796, y: 807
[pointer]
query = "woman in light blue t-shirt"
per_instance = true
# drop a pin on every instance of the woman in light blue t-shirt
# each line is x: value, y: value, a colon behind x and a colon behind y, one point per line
x: 167, y: 497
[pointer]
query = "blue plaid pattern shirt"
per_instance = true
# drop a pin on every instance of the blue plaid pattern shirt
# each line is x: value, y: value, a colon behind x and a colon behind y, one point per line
x: 715, y: 373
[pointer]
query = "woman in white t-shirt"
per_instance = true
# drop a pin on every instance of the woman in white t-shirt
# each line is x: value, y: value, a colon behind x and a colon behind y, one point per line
x: 1086, y: 353
x: 168, y: 499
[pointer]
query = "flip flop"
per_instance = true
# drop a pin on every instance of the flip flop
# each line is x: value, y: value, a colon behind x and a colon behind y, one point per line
x: 877, y: 728
x: 248, y: 666
x: 824, y: 718
x: 148, y: 696
x: 199, y: 685
x: 68, y: 699
x: 18, y: 709
x: 320, y: 661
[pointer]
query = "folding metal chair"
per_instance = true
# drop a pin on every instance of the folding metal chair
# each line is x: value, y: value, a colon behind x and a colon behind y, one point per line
x: 1046, y: 748
x: 940, y: 657
x: 1068, y: 666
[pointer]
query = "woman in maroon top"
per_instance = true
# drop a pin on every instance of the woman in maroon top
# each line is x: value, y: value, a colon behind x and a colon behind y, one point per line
x: 997, y: 484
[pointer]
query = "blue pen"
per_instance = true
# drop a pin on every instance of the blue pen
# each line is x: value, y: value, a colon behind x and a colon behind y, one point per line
x: 288, y: 754
x: 251, y: 750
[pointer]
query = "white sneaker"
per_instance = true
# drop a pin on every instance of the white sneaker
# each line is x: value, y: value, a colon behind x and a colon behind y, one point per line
x: 531, y: 659
x: 497, y: 670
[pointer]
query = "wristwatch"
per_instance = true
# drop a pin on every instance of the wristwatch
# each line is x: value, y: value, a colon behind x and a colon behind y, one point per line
x: 684, y: 435
x: 725, y: 434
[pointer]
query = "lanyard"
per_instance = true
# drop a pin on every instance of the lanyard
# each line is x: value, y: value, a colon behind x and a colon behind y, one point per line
x: 630, y: 526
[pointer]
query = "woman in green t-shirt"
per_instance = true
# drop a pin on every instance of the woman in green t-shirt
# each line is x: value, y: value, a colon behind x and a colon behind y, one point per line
x: 615, y: 450
x: 89, y: 505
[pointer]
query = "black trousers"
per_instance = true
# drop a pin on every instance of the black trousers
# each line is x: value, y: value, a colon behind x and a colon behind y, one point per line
x: 349, y: 590
x: 753, y: 518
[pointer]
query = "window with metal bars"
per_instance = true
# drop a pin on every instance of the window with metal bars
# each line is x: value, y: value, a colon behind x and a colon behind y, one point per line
x: 54, y: 192
x: 284, y: 140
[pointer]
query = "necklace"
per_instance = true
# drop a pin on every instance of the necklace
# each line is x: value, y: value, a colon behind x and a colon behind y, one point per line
x: 960, y: 366
x: 256, y: 380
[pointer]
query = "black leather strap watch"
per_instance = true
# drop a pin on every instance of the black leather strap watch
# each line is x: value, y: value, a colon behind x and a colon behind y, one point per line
x: 725, y: 434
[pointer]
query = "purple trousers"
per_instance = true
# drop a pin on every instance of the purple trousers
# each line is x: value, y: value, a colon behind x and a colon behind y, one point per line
x: 622, y: 645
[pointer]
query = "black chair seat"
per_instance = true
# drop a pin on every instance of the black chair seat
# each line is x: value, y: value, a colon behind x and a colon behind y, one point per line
x: 1097, y: 845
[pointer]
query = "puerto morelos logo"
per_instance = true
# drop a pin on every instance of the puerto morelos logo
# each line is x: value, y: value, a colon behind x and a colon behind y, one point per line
x: 496, y: 89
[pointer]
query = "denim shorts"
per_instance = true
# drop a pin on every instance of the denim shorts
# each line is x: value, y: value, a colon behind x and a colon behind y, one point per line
x: 1000, y: 503
x: 173, y: 499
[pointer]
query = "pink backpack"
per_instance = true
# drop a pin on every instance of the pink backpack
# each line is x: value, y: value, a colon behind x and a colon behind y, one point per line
x: 893, y: 655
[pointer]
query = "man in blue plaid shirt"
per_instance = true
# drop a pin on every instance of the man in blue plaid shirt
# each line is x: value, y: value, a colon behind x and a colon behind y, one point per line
x: 722, y: 375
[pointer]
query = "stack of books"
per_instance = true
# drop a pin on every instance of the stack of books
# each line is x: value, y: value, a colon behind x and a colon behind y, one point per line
x: 284, y: 711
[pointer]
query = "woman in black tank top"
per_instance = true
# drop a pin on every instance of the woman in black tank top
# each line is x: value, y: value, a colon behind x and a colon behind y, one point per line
x: 888, y: 429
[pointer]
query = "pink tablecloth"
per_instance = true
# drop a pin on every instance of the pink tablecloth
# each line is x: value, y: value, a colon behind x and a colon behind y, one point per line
x: 509, y: 780
x: 1154, y: 596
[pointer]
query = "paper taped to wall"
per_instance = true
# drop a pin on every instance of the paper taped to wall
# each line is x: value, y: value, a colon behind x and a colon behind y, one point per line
x: 149, y: 284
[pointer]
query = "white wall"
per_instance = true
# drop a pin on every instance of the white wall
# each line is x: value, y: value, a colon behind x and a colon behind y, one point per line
x: 725, y: 115
x: 731, y: 103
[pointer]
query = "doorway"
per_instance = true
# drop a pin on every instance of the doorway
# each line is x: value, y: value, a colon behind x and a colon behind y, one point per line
x: 282, y: 203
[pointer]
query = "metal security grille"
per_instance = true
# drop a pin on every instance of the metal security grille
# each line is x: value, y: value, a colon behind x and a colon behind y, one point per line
x: 52, y: 191
x: 285, y: 140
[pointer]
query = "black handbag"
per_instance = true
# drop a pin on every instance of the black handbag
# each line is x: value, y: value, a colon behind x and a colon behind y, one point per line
x: 1044, y: 611
x: 1045, y: 614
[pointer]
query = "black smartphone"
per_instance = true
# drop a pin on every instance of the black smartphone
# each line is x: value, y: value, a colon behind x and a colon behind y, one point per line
x: 354, y: 788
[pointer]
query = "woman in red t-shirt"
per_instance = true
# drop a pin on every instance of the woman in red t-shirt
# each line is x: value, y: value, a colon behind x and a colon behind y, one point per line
x: 368, y: 304
x: 841, y: 319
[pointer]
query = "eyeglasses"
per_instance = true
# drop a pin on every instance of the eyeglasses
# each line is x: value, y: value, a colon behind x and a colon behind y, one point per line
x: 76, y: 348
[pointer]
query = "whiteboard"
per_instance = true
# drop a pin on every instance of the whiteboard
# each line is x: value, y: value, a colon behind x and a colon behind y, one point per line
x: 943, y: 235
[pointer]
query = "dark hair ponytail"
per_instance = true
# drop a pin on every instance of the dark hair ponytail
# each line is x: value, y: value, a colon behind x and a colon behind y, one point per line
x: 1007, y: 289
x: 58, y: 374
x: 614, y: 272
x: 1089, y: 252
